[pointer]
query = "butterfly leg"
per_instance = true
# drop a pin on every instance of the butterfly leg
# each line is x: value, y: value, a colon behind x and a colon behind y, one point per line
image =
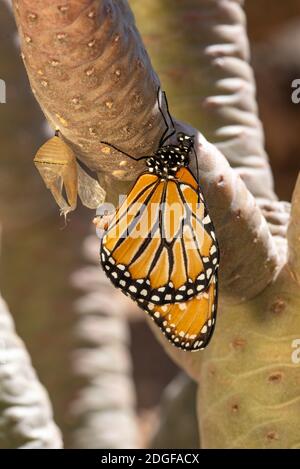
x: 124, y: 152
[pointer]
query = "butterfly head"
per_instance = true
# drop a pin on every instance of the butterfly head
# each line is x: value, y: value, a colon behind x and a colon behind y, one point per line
x: 185, y: 142
x: 168, y: 159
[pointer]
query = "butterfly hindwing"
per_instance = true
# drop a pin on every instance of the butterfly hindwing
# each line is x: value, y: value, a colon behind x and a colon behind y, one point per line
x: 187, y: 325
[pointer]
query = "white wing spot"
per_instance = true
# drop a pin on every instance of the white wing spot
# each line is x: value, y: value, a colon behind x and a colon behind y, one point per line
x: 178, y: 297
x: 155, y: 298
x: 209, y: 272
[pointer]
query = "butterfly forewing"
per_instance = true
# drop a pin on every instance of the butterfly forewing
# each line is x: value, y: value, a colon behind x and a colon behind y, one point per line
x: 161, y: 245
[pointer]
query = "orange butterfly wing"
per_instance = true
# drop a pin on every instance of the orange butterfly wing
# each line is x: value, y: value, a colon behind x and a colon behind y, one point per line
x: 161, y: 245
x: 188, y: 325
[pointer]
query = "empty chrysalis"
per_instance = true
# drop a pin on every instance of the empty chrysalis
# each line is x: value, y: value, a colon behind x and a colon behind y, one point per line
x: 57, y: 165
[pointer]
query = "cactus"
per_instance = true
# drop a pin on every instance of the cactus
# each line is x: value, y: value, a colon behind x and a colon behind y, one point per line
x: 92, y: 77
x: 26, y: 419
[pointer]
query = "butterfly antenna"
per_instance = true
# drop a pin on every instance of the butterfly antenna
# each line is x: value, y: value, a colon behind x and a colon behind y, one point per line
x: 197, y: 166
x: 165, y: 136
x: 168, y: 110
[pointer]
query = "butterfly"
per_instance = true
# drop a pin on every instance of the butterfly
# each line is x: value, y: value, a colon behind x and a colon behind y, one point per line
x: 160, y: 248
